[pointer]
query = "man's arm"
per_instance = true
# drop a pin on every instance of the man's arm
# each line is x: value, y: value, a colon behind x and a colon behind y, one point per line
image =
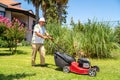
x: 50, y: 37
x: 40, y: 35
x: 46, y: 33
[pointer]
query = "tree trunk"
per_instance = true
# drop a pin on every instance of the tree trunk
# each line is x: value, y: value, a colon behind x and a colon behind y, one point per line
x: 44, y: 13
x: 15, y: 46
x: 59, y: 13
x: 37, y: 13
x: 11, y: 46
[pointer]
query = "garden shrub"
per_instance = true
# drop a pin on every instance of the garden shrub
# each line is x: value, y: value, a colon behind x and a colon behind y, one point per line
x: 3, y: 43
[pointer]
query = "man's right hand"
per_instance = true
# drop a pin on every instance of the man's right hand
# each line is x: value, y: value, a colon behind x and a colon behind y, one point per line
x: 51, y: 38
x: 46, y: 37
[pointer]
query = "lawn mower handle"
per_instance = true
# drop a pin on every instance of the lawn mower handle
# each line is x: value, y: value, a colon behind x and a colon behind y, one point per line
x: 58, y: 46
x: 52, y: 39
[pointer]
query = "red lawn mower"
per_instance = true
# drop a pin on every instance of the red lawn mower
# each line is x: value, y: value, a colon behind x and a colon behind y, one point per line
x: 69, y: 64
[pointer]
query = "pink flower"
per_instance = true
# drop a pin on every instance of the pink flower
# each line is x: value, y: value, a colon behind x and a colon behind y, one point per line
x: 1, y: 16
x: 14, y: 24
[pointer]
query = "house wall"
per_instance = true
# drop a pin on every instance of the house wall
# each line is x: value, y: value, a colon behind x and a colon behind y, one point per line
x: 28, y: 23
x: 28, y: 20
x: 8, y: 14
x: 2, y: 9
x: 23, y: 18
x: 29, y: 31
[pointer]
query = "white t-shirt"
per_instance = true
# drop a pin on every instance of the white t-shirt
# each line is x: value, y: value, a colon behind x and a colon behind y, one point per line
x: 41, y: 30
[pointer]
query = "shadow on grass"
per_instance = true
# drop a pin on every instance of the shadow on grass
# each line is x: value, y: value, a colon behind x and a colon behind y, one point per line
x: 9, y: 53
x: 51, y: 66
x: 20, y: 52
x: 15, y: 76
x: 59, y: 69
x: 5, y: 53
x: 46, y: 65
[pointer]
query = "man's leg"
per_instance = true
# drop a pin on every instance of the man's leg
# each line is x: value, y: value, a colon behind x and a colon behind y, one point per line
x: 34, y: 52
x: 42, y: 54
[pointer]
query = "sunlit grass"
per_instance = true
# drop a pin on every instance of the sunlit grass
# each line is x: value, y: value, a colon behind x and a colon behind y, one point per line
x: 18, y: 67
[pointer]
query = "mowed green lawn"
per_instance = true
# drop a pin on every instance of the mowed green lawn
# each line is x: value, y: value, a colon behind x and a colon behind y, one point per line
x: 18, y: 67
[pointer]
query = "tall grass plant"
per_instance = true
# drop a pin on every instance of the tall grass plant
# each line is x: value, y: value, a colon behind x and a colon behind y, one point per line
x: 95, y: 39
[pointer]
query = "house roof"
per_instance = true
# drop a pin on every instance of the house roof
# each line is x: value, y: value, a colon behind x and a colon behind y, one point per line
x: 8, y: 2
x: 12, y: 6
x: 3, y: 5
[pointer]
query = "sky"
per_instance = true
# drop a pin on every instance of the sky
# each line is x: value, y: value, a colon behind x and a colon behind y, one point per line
x: 100, y: 10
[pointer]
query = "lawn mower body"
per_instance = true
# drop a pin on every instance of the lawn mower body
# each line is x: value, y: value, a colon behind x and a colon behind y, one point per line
x: 69, y: 64
x: 74, y: 67
x: 62, y: 60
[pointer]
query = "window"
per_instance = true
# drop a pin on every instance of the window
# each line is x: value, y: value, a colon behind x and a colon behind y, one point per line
x: 2, y: 13
x: 33, y: 26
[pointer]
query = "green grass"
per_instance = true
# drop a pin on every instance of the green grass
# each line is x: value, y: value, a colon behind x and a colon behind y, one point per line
x: 18, y: 67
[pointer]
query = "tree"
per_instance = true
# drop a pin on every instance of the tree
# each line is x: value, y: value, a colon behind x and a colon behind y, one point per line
x: 51, y: 14
x: 60, y: 5
x: 13, y: 32
x: 37, y: 4
x: 3, y: 23
x: 46, y: 4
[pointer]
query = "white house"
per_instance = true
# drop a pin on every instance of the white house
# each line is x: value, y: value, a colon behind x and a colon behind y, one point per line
x: 11, y: 9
